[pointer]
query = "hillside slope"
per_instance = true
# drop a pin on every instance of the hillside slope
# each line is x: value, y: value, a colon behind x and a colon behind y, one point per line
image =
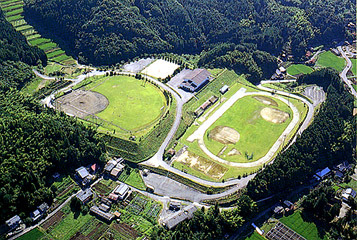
x: 108, y: 31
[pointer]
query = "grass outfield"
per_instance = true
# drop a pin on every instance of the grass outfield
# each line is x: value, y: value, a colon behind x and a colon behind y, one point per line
x: 255, y: 236
x: 296, y: 69
x: 131, y: 105
x: 308, y: 230
x: 257, y: 135
x: 354, y: 66
x: 32, y: 235
x: 328, y: 59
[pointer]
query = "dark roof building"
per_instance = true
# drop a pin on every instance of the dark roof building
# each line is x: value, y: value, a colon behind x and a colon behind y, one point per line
x: 195, y: 80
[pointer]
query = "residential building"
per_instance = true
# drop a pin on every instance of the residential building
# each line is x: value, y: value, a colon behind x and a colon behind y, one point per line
x: 13, y: 222
x: 182, y: 215
x: 107, y: 216
x: 324, y: 173
x: 85, y: 195
x: 121, y: 190
x: 346, y: 194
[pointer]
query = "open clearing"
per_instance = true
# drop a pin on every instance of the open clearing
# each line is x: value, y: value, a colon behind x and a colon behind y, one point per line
x: 259, y: 127
x: 202, y: 165
x: 354, y: 66
x: 160, y: 69
x: 328, y: 59
x: 296, y: 69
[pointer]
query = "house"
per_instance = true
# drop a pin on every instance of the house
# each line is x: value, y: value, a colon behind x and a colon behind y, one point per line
x: 94, y: 168
x: 104, y: 207
x: 349, y: 192
x: 224, y: 89
x: 339, y: 174
x: 324, y: 173
x: 113, y: 197
x: 109, y: 167
x: 85, y: 195
x: 14, y: 222
x: 121, y: 190
x: 278, y: 209
x: 288, y: 204
x: 182, y: 215
x: 115, y: 172
x: 195, y: 80
x: 43, y: 208
x: 107, y: 216
x: 82, y: 172
x: 343, y: 167
x: 35, y: 215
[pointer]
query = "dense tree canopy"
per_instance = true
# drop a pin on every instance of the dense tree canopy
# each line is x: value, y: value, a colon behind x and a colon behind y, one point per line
x: 107, y: 31
x: 330, y: 139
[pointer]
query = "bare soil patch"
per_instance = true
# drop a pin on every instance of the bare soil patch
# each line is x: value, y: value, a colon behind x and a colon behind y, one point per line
x: 203, y: 165
x: 224, y: 135
x: 274, y: 115
x: 53, y: 220
x: 266, y: 100
x: 82, y: 103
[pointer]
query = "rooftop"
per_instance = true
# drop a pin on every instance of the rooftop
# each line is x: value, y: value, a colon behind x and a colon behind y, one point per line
x: 82, y: 172
x: 198, y: 75
x: 84, y: 195
x: 179, y: 216
x: 107, y: 216
x: 121, y: 190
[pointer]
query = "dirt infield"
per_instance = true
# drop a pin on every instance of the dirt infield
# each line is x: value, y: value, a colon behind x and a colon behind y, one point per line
x: 81, y: 103
x: 224, y: 135
x: 274, y: 115
x: 201, y: 164
x: 266, y: 100
x: 160, y: 69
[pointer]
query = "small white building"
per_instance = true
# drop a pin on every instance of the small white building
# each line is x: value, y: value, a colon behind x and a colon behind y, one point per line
x: 346, y: 194
x: 121, y: 190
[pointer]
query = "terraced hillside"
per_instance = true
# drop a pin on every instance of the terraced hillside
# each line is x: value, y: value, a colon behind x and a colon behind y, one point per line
x: 13, y: 11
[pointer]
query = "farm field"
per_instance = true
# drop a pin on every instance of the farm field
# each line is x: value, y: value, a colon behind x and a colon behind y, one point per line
x: 296, y: 69
x: 32, y: 235
x: 328, y: 59
x: 257, y: 135
x: 129, y: 99
x: 304, y: 227
x: 255, y: 236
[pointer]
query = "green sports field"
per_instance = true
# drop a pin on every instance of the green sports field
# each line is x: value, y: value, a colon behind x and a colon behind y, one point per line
x: 296, y: 69
x: 304, y: 226
x: 257, y: 135
x: 131, y: 104
x: 328, y: 59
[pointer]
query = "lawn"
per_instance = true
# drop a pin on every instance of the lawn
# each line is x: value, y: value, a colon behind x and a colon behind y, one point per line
x: 32, y: 235
x: 354, y: 66
x: 135, y: 180
x: 308, y: 230
x: 255, y: 236
x: 131, y: 104
x: 257, y: 135
x: 296, y: 69
x: 328, y: 59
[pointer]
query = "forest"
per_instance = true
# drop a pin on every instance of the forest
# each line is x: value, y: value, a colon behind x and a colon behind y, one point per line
x: 35, y: 142
x: 104, y: 32
x: 330, y: 139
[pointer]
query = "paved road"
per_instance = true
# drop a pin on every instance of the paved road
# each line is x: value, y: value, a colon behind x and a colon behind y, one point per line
x: 343, y: 74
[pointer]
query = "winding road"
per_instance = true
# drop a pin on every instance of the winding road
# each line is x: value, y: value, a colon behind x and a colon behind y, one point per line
x: 343, y: 74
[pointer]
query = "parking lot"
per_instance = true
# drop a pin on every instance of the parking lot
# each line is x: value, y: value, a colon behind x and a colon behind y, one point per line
x: 316, y: 94
x: 176, y: 81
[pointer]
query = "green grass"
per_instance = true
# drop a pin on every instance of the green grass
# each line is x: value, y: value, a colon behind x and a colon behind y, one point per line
x: 34, y: 234
x: 24, y: 27
x: 15, y: 17
x: 9, y: 8
x: 39, y: 41
x: 308, y: 230
x: 354, y: 66
x: 15, y: 12
x: 48, y: 46
x: 131, y: 105
x: 60, y: 58
x: 32, y: 86
x: 255, y: 236
x: 52, y: 67
x: 55, y: 53
x: 8, y: 2
x: 135, y: 180
x: 257, y: 135
x: 328, y: 59
x: 34, y: 36
x: 296, y: 69
x: 70, y: 224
